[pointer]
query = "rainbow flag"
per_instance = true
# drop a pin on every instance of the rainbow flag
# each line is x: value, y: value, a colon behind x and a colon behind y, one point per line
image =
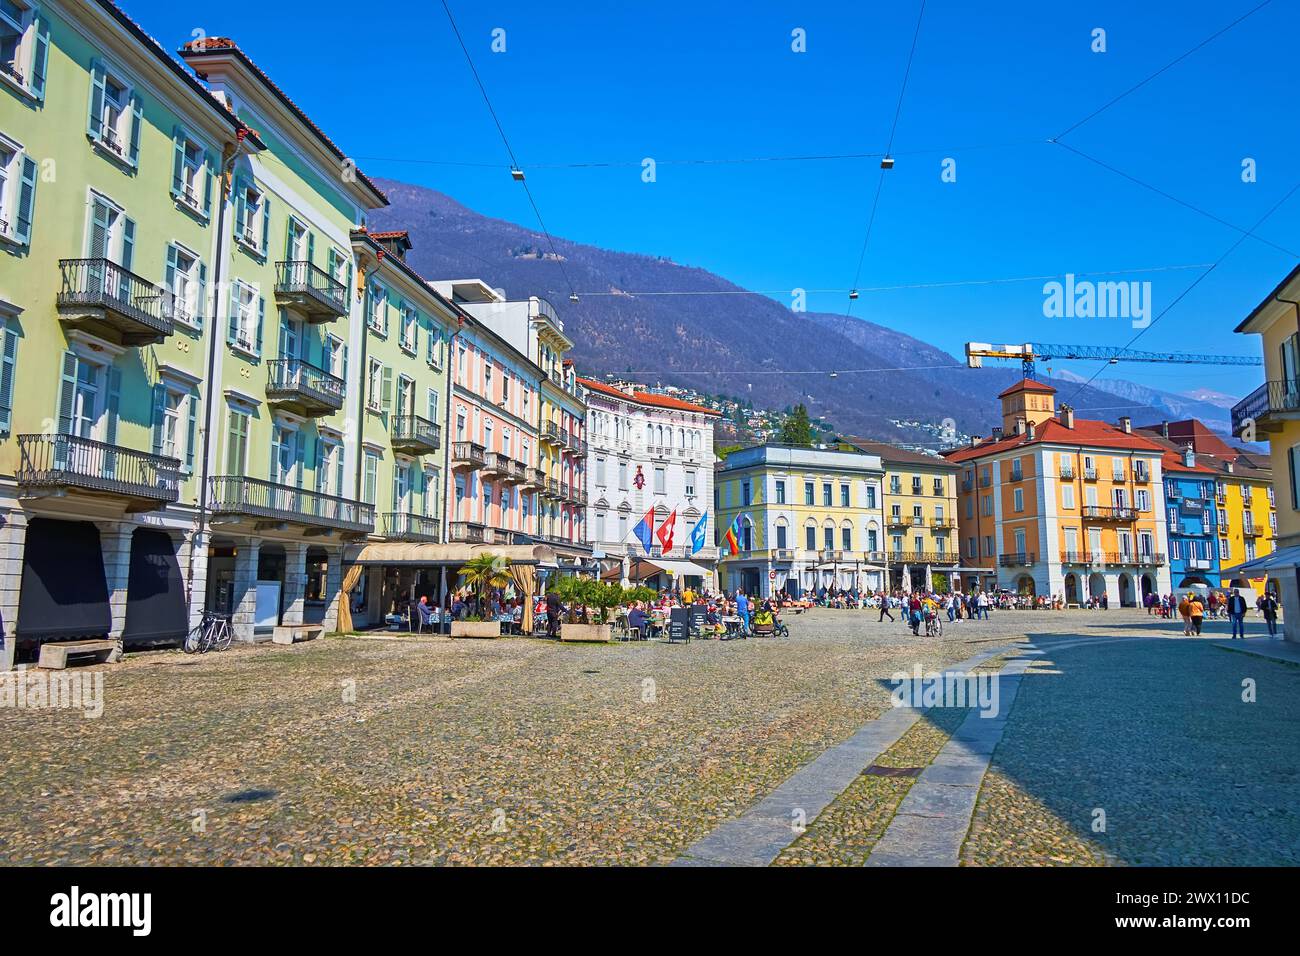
x: 732, y: 538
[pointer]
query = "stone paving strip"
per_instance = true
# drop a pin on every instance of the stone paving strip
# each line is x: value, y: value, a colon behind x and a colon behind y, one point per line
x: 758, y: 835
x: 931, y: 823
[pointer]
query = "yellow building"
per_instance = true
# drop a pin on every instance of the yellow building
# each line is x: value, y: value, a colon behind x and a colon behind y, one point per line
x: 920, y: 506
x: 1272, y: 413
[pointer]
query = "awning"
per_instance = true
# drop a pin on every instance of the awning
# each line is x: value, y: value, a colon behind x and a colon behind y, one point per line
x: 648, y: 567
x: 64, y: 590
x: 396, y: 552
x: 156, y: 612
x: 676, y: 568
x: 1283, y: 560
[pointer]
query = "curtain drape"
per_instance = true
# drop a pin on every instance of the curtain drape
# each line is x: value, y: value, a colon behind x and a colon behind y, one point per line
x: 525, y: 578
x: 350, y: 581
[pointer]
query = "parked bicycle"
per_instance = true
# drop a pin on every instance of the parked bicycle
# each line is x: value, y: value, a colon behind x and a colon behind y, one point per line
x: 212, y: 633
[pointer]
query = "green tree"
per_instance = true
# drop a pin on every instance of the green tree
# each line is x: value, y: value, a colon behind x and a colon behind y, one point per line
x: 485, y: 571
x: 797, y: 429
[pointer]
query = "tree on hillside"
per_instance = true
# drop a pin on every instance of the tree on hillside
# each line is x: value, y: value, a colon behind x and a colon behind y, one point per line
x: 797, y: 429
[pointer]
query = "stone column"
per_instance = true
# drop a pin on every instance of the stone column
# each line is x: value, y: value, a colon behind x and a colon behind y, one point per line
x: 115, y: 544
x: 194, y: 548
x: 245, y: 599
x: 13, y: 539
x: 333, y: 584
x: 295, y: 582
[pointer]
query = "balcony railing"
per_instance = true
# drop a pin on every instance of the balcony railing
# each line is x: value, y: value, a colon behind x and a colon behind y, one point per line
x: 1067, y: 473
x: 466, y: 532
x: 1017, y: 559
x: 467, y: 454
x: 1097, y: 558
x: 551, y: 434
x: 516, y: 472
x: 552, y: 488
x: 302, y: 385
x: 1251, y: 530
x: 60, y: 462
x: 238, y: 495
x: 1108, y: 513
x: 919, y: 557
x: 534, y: 479
x: 416, y: 434
x: 1089, y: 474
x: 1140, y: 476
x: 1266, y: 405
x: 943, y: 524
x: 311, y: 290
x: 98, y: 292
x: 967, y: 484
x: 401, y: 526
x: 782, y: 554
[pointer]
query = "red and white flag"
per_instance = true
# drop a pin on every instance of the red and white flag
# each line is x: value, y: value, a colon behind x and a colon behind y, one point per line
x: 665, y: 532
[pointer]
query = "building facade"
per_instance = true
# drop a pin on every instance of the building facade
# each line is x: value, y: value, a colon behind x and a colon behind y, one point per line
x: 1055, y: 505
x: 920, y: 545
x: 809, y: 518
x: 1191, y: 520
x: 645, y: 451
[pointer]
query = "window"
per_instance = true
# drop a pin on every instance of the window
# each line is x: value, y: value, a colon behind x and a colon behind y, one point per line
x: 410, y: 324
x: 505, y: 392
x: 115, y: 114
x: 252, y: 217
x: 24, y: 47
x: 622, y: 475
x: 237, y: 443
x: 247, y: 314
x: 780, y: 491
x: 110, y: 235
x: 600, y: 472
x: 174, y: 419
x: 846, y: 539
x: 690, y: 483
x: 8, y: 366
x: 826, y: 493
x: 191, y: 181
x: 329, y: 467
x: 1143, y: 499
x: 336, y: 357
x: 17, y: 191
x: 810, y: 538
x: 375, y: 385
x: 185, y: 277
x: 938, y: 487
x: 844, y: 496
x: 808, y: 495
x: 828, y: 538
x: 1018, y: 499
x: 377, y: 314
x: 370, y: 478
x: 660, y: 485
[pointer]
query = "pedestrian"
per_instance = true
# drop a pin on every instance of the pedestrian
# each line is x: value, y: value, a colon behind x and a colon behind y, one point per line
x: 884, y: 609
x: 1185, y: 612
x: 1197, y: 610
x: 1237, y: 614
x: 1269, y: 606
x: 982, y: 603
x: 554, y: 608
x: 742, y: 610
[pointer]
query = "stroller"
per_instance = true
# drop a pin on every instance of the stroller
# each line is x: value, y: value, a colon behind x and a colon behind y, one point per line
x: 764, y: 624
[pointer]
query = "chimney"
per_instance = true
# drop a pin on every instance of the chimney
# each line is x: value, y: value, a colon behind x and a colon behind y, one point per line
x: 1164, y: 428
x: 1067, y: 416
x: 974, y: 440
x: 1227, y: 466
x: 1189, y: 456
x: 1020, y: 426
x: 1126, y: 425
x: 1029, y: 430
x: 997, y: 433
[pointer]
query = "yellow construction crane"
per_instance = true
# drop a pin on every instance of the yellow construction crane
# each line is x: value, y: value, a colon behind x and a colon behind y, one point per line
x: 1030, y: 352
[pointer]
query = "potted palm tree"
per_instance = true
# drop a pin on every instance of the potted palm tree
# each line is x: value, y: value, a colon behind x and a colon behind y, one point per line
x: 593, y: 595
x: 483, y: 572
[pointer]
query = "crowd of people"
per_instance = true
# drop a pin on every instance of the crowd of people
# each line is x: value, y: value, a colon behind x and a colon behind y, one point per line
x: 1194, y: 609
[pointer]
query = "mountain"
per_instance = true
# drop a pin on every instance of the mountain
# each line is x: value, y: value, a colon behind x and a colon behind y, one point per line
x: 1172, y: 406
x: 720, y: 341
x: 1211, y: 397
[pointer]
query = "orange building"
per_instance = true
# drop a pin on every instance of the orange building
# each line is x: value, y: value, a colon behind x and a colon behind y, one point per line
x: 1055, y: 505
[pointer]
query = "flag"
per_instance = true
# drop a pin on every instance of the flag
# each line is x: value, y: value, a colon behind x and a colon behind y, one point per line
x: 732, y: 538
x: 698, y: 539
x: 665, y: 532
x: 645, y: 530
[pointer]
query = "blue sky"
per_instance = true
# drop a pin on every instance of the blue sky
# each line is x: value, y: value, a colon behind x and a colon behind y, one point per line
x: 584, y: 83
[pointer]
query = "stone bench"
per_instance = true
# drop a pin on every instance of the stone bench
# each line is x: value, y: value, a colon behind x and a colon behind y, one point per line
x: 54, y: 656
x: 289, y: 633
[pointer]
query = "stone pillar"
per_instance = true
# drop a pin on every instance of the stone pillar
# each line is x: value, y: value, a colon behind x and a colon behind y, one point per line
x: 333, y: 584
x: 115, y: 544
x: 193, y: 559
x: 295, y: 583
x: 13, y: 539
x: 245, y: 599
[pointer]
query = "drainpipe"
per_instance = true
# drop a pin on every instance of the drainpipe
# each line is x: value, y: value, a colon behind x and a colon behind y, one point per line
x: 229, y: 153
x: 365, y: 383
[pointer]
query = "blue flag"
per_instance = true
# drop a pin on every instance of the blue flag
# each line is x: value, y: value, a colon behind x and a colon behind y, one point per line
x: 645, y: 530
x: 698, y: 533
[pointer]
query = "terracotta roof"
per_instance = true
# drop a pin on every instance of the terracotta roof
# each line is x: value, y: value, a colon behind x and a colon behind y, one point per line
x: 1027, y: 385
x: 206, y: 46
x: 392, y: 234
x: 892, y: 453
x: 1172, y: 461
x: 1085, y: 433
x: 1195, y: 431
x: 648, y: 398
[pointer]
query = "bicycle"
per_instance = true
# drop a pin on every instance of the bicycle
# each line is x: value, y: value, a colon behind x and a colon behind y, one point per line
x: 212, y: 633
x: 933, y: 625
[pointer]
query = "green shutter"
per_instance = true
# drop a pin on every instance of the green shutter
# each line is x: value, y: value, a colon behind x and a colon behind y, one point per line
x: 387, y: 389
x: 114, y: 400
x: 137, y: 121
x: 26, y: 201
x: 201, y: 299
x: 266, y: 223
x: 8, y: 363
x: 191, y: 430
x: 178, y: 161
x: 232, y: 325
x: 159, y: 412
x: 209, y: 171
x: 95, y: 117
x: 40, y: 58
x: 128, y: 243
x: 67, y: 392
x: 261, y: 316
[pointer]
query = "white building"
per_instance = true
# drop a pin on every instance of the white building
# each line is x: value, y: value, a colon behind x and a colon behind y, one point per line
x: 649, y: 451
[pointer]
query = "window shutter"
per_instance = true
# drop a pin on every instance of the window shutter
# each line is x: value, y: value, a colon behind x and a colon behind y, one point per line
x: 311, y: 247
x: 201, y: 300
x: 95, y: 118
x: 387, y: 389
x: 338, y: 473
x: 191, y: 430
x: 178, y: 161
x: 40, y: 58
x: 383, y: 309
x: 266, y: 223
x: 67, y: 392
x: 299, y: 456
x: 288, y: 238
x: 114, y: 399
x: 128, y: 243
x: 261, y: 315
x: 159, y: 411
x: 209, y: 170
x: 344, y: 366
x: 169, y: 272
x: 232, y: 326
x: 137, y: 121
x: 241, y: 206
x: 26, y: 201
x: 8, y: 361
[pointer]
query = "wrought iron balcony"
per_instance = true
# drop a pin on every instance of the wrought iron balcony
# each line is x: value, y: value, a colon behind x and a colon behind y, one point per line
x: 401, y: 526
x: 310, y: 290
x: 516, y: 472
x: 414, y: 434
x: 1067, y: 473
x: 467, y: 454
x: 99, y: 294
x: 552, y: 488
x: 782, y: 554
x: 238, y: 496
x: 923, y: 557
x: 1108, y: 513
x: 1267, y: 406
x: 302, y: 387
x: 564, y: 491
x: 1251, y: 530
x: 1141, y: 476
x: 1017, y: 559
x: 58, y: 464
x: 1089, y: 474
x: 551, y: 434
x: 943, y: 524
x: 466, y: 532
